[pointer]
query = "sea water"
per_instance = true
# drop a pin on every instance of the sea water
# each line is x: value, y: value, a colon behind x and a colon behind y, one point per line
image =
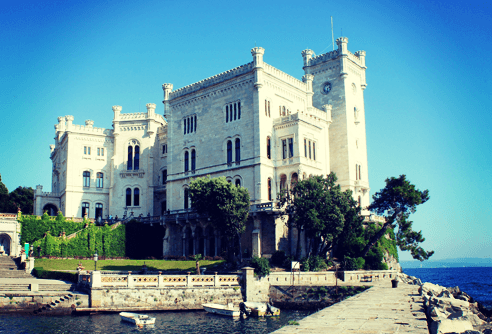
x: 475, y: 281
x: 193, y: 322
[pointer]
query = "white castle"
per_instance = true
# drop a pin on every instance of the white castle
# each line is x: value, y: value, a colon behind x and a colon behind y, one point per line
x: 256, y: 125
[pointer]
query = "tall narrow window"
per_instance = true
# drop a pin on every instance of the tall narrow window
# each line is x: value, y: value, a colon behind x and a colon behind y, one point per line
x: 85, y: 209
x: 230, y: 112
x: 293, y: 180
x: 102, y: 152
x: 128, y: 197
x: 186, y: 200
x: 191, y: 119
x: 356, y: 173
x: 269, y: 156
x: 238, y: 149
x: 291, y: 147
x: 283, y: 111
x: 284, y: 149
x: 360, y: 178
x: 235, y: 111
x: 129, y: 163
x: 164, y: 176
x: 188, y: 123
x: 268, y: 108
x: 164, y: 149
x: 99, y: 180
x: 359, y: 201
x: 85, y: 149
x: 89, y: 150
x: 184, y: 126
x: 305, y: 147
x: 136, y: 197
x: 239, y: 110
x: 227, y: 113
x: 229, y: 152
x: 279, y: 110
x: 195, y: 123
x: 193, y: 159
x: 309, y: 149
x: 99, y: 210
x: 238, y: 182
x: 314, y: 150
x: 283, y: 182
x: 87, y: 178
x: 136, y: 159
x: 269, y: 185
x: 187, y: 157
x: 98, y: 151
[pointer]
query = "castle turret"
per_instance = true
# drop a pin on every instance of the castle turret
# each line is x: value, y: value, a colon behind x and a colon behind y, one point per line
x: 308, y: 79
x: 69, y: 119
x: 257, y: 53
x: 343, y: 52
x: 89, y: 123
x: 167, y: 88
x: 306, y: 56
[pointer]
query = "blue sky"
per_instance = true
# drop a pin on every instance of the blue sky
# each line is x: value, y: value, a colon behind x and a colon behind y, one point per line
x: 427, y: 102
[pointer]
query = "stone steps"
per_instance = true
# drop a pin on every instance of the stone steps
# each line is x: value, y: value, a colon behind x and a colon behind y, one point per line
x: 64, y: 301
x: 14, y: 274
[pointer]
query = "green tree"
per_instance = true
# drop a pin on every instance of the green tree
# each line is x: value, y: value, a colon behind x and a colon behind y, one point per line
x: 396, y: 201
x: 319, y: 207
x: 226, y: 205
x: 23, y: 198
x: 5, y: 205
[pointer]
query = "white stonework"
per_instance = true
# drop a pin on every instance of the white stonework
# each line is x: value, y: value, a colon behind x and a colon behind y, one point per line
x: 256, y: 125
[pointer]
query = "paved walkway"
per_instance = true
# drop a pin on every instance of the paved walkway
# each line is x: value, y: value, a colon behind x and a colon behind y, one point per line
x: 378, y: 310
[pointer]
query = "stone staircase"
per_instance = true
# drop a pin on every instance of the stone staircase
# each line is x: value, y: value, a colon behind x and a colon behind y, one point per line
x: 8, y: 269
x: 59, y: 305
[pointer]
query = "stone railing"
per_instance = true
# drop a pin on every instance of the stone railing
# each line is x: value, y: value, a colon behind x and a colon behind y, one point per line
x: 97, y: 279
x: 300, y: 278
x: 367, y: 275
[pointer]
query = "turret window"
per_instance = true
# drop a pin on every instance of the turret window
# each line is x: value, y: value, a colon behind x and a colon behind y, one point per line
x: 133, y: 158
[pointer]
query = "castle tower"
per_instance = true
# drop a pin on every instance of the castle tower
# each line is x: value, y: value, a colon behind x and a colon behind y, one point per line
x: 339, y: 81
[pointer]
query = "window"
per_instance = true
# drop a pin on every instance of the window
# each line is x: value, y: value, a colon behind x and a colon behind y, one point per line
x: 87, y: 150
x: 100, y: 151
x: 233, y: 111
x: 283, y: 111
x: 280, y: 110
x: 238, y: 182
x: 129, y: 163
x: 193, y: 159
x: 238, y: 149
x: 305, y: 147
x: 309, y: 149
x: 99, y: 180
x: 164, y: 149
x: 189, y: 124
x: 359, y: 201
x: 136, y: 197
x: 136, y: 159
x: 360, y: 177
x: 229, y: 151
x: 314, y: 150
x: 268, y: 108
x: 269, y: 156
x: 293, y: 180
x: 164, y: 176
x: 283, y: 182
x: 186, y: 165
x: 269, y: 185
x: 87, y: 178
x: 99, y: 210
x: 85, y: 209
x: 358, y: 172
x: 128, y: 197
x: 284, y: 148
x: 186, y: 199
x: 291, y: 147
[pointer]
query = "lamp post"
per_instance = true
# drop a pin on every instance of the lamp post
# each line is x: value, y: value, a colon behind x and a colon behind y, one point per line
x: 95, y: 261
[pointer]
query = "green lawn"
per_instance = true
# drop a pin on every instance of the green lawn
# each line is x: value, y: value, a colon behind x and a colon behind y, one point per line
x: 123, y: 265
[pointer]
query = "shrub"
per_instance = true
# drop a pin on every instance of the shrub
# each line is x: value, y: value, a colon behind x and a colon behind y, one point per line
x: 63, y: 276
x: 354, y: 263
x: 261, y: 265
x: 278, y: 258
x: 314, y: 263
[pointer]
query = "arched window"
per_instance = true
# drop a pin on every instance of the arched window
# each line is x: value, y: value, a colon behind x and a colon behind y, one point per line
x: 283, y: 111
x: 87, y: 178
x: 187, y: 166
x: 128, y: 197
x: 193, y: 159
x: 186, y: 199
x: 283, y: 182
x: 99, y: 210
x: 136, y: 197
x: 85, y: 209
x: 136, y: 160
x: 238, y: 182
x: 99, y: 180
x: 269, y: 156
x: 269, y: 185
x: 293, y: 180
x: 229, y: 151
x: 129, y: 164
x: 238, y: 149
x: 164, y: 176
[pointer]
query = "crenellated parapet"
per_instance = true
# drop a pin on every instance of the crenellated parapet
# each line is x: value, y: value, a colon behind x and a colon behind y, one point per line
x: 322, y: 58
x: 212, y: 80
x: 269, y: 69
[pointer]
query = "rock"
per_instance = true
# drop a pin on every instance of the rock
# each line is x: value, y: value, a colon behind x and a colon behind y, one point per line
x: 450, y: 326
x: 430, y: 289
x: 445, y: 294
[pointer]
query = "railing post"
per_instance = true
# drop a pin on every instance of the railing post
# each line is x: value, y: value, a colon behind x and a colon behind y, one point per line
x: 248, y: 278
x: 96, y: 279
x: 216, y: 279
x: 129, y: 280
x: 188, y: 279
x: 160, y: 280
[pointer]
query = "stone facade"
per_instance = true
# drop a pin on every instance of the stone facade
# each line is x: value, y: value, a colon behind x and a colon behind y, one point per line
x: 10, y: 235
x: 256, y: 125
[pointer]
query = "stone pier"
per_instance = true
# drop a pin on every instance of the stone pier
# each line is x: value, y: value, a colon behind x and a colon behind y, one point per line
x: 378, y: 310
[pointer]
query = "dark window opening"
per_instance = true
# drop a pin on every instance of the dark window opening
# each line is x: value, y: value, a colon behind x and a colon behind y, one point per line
x: 87, y: 179
x: 128, y: 197
x: 136, y: 197
x: 193, y: 159
x: 229, y: 152
x: 238, y: 150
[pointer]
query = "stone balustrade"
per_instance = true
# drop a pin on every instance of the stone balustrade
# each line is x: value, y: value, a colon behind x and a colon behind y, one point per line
x: 367, y: 275
x: 97, y: 279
